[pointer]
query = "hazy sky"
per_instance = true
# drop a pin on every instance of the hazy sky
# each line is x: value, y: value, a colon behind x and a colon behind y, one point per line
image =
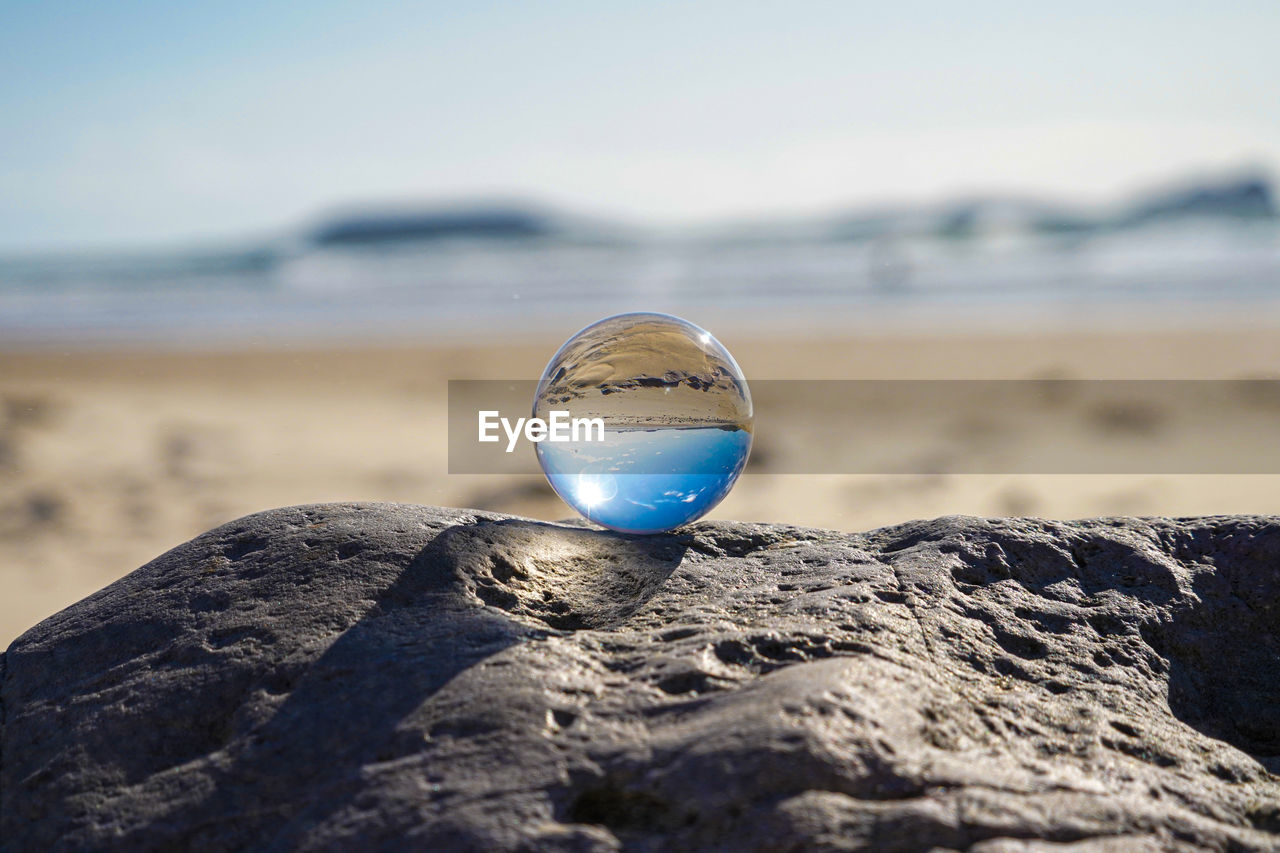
x: 137, y: 123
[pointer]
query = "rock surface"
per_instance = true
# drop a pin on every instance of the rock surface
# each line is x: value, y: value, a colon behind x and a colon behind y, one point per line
x: 377, y: 676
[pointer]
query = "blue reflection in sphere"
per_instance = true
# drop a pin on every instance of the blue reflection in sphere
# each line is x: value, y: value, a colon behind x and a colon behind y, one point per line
x: 676, y: 416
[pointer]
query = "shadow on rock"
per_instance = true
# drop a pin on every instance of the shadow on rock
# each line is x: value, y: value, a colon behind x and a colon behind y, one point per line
x: 346, y: 710
x: 1194, y: 609
x: 1224, y: 649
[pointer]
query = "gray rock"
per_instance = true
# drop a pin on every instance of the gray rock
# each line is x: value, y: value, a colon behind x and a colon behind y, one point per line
x: 398, y: 677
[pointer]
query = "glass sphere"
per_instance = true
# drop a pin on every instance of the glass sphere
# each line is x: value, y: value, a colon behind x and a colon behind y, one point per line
x: 661, y: 422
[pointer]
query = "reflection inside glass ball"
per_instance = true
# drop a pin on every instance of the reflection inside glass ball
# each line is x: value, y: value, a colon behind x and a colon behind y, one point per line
x: 677, y: 414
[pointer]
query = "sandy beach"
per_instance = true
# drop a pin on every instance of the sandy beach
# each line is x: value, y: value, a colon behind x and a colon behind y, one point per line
x: 111, y: 458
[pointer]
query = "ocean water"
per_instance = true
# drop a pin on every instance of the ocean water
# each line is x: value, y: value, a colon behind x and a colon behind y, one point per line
x: 646, y: 480
x: 469, y: 285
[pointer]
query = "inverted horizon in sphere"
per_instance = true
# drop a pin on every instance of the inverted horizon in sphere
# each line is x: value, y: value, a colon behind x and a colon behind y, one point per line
x: 678, y: 422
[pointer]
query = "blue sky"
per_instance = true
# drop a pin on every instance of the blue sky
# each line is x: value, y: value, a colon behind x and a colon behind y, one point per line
x: 132, y: 124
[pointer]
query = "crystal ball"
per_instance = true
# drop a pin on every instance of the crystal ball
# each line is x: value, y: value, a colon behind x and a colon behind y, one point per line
x: 661, y: 422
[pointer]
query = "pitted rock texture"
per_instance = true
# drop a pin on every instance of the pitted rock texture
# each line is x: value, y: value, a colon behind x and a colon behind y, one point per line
x: 375, y: 676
